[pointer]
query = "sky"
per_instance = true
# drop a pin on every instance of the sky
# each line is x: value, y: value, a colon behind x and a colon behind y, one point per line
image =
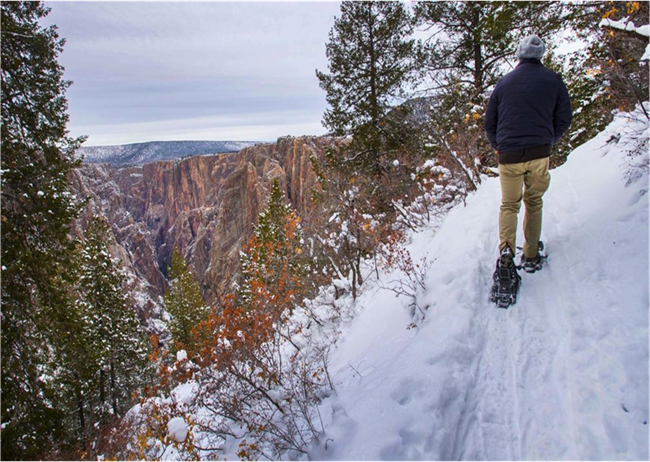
x: 169, y: 71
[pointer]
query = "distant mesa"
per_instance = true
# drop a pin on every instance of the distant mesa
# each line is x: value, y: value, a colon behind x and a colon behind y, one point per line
x: 154, y: 151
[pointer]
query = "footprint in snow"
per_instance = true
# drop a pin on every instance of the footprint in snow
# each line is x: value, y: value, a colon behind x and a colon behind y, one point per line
x: 401, y: 397
x: 409, y: 389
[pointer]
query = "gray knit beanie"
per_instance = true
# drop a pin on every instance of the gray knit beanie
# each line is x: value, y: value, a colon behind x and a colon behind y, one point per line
x: 531, y: 47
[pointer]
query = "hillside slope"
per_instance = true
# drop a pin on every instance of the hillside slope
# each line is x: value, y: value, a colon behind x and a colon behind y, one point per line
x: 563, y: 374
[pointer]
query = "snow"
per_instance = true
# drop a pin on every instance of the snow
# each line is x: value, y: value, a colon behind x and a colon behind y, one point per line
x: 177, y: 429
x: 143, y: 153
x: 185, y: 392
x: 561, y: 375
x: 646, y: 54
x: 626, y: 25
x: 644, y: 30
x: 181, y: 355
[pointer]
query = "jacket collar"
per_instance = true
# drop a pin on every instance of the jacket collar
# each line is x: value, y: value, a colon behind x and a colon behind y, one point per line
x: 529, y: 61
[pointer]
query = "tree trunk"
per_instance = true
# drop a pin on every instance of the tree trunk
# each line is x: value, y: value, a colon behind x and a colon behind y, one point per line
x: 102, y: 386
x: 374, y: 110
x: 358, y: 268
x: 374, y: 104
x: 478, y: 55
x: 82, y: 417
x: 114, y: 388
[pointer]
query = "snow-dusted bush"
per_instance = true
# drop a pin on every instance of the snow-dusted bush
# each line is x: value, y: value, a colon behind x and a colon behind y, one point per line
x: 435, y: 191
x: 254, y: 391
x: 267, y: 398
x: 632, y: 138
x: 410, y: 280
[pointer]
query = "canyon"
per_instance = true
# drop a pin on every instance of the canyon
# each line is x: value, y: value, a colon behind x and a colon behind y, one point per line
x: 206, y: 206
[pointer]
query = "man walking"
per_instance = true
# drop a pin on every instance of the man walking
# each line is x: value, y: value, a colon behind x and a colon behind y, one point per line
x: 528, y: 112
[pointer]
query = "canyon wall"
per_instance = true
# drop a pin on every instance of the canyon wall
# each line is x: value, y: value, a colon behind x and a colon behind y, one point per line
x: 206, y: 206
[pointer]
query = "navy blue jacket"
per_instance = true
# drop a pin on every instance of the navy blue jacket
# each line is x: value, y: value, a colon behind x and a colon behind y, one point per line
x: 529, y: 108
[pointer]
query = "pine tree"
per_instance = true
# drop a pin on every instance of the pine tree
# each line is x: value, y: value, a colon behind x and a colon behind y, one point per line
x: 370, y: 64
x: 479, y: 38
x: 117, y: 345
x: 102, y: 360
x: 37, y: 208
x: 470, y: 47
x: 592, y: 111
x: 274, y: 266
x: 185, y: 304
x: 371, y: 68
x: 255, y: 375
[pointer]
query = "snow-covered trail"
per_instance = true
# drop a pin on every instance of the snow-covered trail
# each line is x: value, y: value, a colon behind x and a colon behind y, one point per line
x: 562, y: 375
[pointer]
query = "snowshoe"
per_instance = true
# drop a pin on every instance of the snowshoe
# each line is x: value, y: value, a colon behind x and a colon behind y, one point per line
x: 506, y: 281
x: 530, y: 265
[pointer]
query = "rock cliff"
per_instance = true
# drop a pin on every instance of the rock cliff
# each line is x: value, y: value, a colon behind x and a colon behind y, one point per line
x: 206, y: 206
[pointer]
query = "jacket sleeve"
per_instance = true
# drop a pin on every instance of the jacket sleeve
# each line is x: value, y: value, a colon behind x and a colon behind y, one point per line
x: 563, y: 112
x: 491, y: 119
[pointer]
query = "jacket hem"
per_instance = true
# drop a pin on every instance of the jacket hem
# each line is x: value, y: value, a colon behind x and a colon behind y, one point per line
x: 524, y: 155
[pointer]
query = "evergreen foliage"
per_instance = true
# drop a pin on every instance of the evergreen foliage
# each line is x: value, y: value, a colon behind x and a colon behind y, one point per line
x: 38, y: 313
x: 184, y: 303
x: 370, y: 62
x: 371, y: 66
x: 470, y: 42
x: 272, y: 221
x: 117, y: 347
x: 591, y: 109
x: 274, y: 257
x: 100, y: 362
x: 471, y: 45
x: 254, y: 373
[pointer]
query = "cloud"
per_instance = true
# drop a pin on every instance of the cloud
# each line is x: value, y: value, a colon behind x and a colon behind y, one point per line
x: 148, y: 63
x: 251, y: 127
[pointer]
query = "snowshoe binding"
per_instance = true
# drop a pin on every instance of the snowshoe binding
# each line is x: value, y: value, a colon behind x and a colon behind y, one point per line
x: 506, y: 280
x: 531, y: 265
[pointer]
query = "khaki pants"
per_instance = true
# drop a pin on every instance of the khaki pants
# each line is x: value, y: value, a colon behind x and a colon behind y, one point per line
x: 534, y: 177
